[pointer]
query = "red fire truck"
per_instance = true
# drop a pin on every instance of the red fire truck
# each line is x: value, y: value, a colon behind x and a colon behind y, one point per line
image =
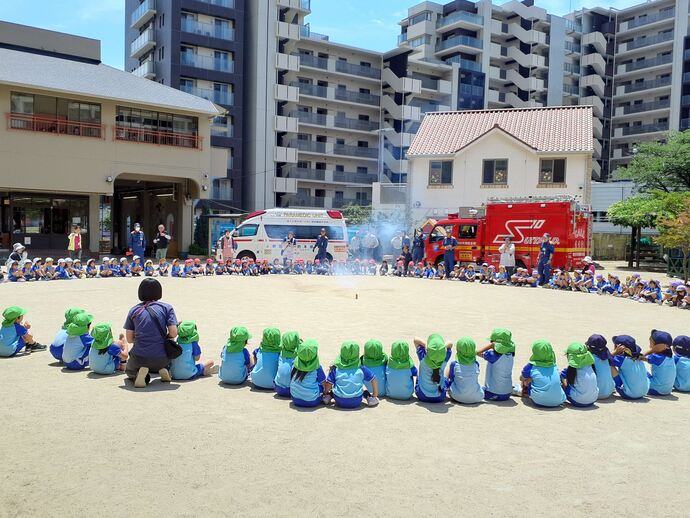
x: 525, y: 220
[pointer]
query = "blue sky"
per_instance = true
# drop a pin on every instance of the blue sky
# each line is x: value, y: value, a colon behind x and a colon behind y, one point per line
x: 362, y: 23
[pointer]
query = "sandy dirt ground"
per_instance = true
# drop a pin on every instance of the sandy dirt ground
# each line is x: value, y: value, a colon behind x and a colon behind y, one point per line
x: 76, y: 444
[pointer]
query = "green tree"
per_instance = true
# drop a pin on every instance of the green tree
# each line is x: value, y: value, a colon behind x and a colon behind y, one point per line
x: 674, y: 232
x: 663, y: 166
x: 356, y: 214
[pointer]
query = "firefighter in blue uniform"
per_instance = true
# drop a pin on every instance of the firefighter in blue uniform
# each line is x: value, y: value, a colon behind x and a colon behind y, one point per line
x: 322, y: 245
x: 137, y: 241
x: 449, y: 245
x: 546, y: 252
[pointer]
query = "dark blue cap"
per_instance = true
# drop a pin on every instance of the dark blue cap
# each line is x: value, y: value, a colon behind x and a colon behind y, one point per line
x: 661, y: 337
x: 681, y: 344
x: 628, y: 342
x: 597, y: 346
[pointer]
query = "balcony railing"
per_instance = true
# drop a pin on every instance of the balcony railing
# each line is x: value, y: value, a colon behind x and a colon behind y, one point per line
x: 309, y: 118
x: 222, y: 130
x: 207, y: 62
x: 646, y: 107
x: 350, y: 177
x: 221, y: 3
x: 471, y: 90
x: 312, y: 61
x: 313, y: 90
x: 364, y: 152
x: 571, y: 46
x: 402, y: 38
x: 142, y: 13
x: 357, y: 70
x: 218, y: 97
x: 649, y: 62
x: 464, y: 63
x: 356, y: 97
x: 308, y: 145
x: 571, y: 89
x: 146, y: 69
x: 467, y: 41
x: 646, y: 85
x: 306, y: 32
x: 145, y: 39
x: 571, y: 26
x: 305, y: 173
x: 661, y: 15
x: 650, y: 40
x: 207, y: 29
x: 20, y: 121
x: 159, y: 138
x: 571, y: 68
x: 299, y: 200
x: 645, y: 128
x: 355, y: 124
x: 458, y: 16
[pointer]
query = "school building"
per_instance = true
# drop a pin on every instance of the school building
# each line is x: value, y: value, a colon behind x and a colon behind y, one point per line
x: 84, y: 143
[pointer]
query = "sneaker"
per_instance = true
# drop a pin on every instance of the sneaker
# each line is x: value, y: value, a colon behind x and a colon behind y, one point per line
x: 142, y: 374
x: 164, y: 374
x: 212, y: 370
x: 37, y: 347
x: 327, y: 399
x: 372, y: 401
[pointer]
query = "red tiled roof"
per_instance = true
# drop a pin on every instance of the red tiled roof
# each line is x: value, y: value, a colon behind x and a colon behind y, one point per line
x: 551, y: 129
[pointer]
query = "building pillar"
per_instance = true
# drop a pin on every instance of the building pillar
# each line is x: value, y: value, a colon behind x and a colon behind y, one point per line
x: 185, y: 226
x: 94, y: 229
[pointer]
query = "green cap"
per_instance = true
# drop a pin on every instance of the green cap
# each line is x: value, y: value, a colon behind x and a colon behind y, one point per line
x: 289, y: 344
x: 270, y: 341
x: 348, y: 357
x: 579, y: 356
x: 69, y: 316
x: 102, y: 336
x: 502, y: 340
x: 187, y: 332
x: 80, y: 324
x: 307, y: 359
x: 400, y: 356
x: 373, y: 354
x: 435, y: 351
x: 237, y: 340
x: 466, y: 351
x: 11, y: 314
x: 542, y: 354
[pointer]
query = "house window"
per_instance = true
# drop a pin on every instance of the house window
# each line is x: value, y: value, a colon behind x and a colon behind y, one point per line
x: 440, y: 173
x: 495, y: 172
x: 552, y: 170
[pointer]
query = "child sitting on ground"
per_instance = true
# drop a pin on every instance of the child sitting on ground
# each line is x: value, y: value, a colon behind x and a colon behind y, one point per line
x: 148, y: 268
x: 107, y: 355
x: 660, y: 357
x: 236, y: 361
x: 540, y: 378
x: 433, y: 357
x: 603, y: 367
x: 346, y: 377
x: 499, y: 354
x: 651, y: 293
x: 375, y: 360
x: 15, y: 273
x: 266, y: 359
x: 184, y: 367
x: 49, y: 270
x: 681, y: 348
x: 631, y: 379
x: 125, y: 270
x: 176, y: 270
x: 209, y: 269
x: 288, y: 350
x: 400, y: 372
x: 463, y: 373
x: 75, y: 354
x: 579, y: 379
x: 307, y: 378
x: 15, y: 334
x: 137, y: 268
x: 58, y: 344
x: 163, y: 267
x: 104, y: 269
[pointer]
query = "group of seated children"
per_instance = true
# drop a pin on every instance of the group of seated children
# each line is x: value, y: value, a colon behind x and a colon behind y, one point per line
x: 291, y: 366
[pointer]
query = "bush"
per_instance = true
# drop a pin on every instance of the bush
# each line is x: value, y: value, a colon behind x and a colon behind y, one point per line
x: 195, y: 249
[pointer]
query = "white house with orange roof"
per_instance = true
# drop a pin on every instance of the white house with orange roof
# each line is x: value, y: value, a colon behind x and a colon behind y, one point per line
x: 458, y: 160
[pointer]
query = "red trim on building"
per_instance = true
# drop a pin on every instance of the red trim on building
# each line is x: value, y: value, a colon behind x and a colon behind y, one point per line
x: 159, y: 138
x: 23, y: 122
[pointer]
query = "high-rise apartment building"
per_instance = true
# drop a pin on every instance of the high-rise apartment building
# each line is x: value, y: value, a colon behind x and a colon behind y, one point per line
x: 195, y: 46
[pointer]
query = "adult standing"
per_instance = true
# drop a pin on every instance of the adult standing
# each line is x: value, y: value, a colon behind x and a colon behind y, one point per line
x: 137, y: 241
x: 226, y: 245
x: 507, y: 250
x: 449, y: 244
x: 74, y: 245
x: 149, y: 324
x: 161, y: 241
x: 370, y: 243
x: 418, y: 246
x: 546, y: 251
x: 322, y: 245
x: 289, y: 250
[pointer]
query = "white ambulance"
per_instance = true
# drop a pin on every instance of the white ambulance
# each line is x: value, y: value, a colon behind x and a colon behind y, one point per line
x: 263, y: 234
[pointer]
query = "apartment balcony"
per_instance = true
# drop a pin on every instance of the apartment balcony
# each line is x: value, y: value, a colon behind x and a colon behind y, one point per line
x: 596, y: 61
x: 284, y: 154
x: 640, y: 129
x: 331, y: 121
x: 595, y: 82
x: 303, y: 173
x: 684, y: 124
x: 460, y: 43
x: 216, y: 96
x: 357, y: 70
x: 460, y: 19
x: 621, y: 153
x: 301, y: 200
x: 210, y: 30
x: 142, y: 14
x: 207, y: 62
x: 307, y: 60
x: 329, y: 148
x: 644, y: 64
x: 54, y: 126
x: 298, y: 5
x: 640, y: 86
x: 329, y: 176
x: 219, y: 129
x: 571, y: 46
x: 337, y: 94
x: 157, y: 138
x: 352, y: 177
x: 145, y: 70
x: 633, y: 109
x: 595, y: 39
x: 428, y: 107
x: 287, y: 62
x: 143, y: 44
x: 571, y: 26
x: 220, y: 3
x: 597, y: 127
x: 645, y: 42
x: 685, y: 101
x: 571, y: 69
x: 368, y: 153
x: 285, y: 124
x: 647, y: 20
x: 465, y: 64
x: 496, y: 97
x: 571, y: 90
x: 595, y: 102
x: 287, y: 31
x: 498, y: 74
x: 286, y: 93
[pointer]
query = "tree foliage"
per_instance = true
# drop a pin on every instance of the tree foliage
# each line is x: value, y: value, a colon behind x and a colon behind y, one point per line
x: 356, y: 214
x: 644, y: 210
x: 663, y: 166
x: 674, y: 232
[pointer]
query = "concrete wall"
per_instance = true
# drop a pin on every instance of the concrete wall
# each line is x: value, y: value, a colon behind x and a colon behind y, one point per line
x: 50, y: 41
x: 467, y: 189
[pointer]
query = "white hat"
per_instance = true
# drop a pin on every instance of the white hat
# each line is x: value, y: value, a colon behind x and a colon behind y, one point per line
x: 587, y: 259
x: 61, y: 260
x: 135, y: 257
x: 36, y: 259
x: 69, y: 260
x: 18, y: 246
x: 123, y: 259
x: 49, y: 259
x: 106, y: 258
